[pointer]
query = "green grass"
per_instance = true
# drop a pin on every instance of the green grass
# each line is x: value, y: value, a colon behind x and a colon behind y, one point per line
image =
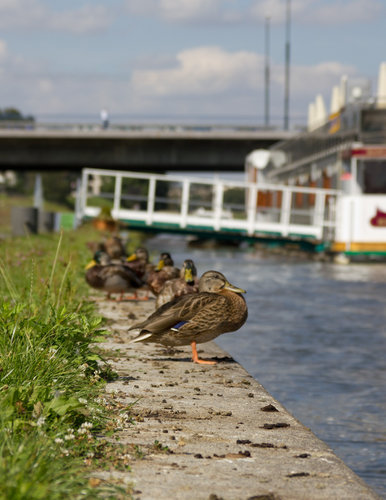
x: 50, y: 377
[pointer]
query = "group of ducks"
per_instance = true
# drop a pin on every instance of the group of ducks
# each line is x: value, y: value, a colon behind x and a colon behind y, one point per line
x: 188, y: 310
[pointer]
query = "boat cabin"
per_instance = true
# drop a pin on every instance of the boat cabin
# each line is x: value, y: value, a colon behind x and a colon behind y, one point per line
x: 346, y: 153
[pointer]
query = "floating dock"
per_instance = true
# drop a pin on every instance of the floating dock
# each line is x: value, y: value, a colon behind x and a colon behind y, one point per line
x: 200, y: 432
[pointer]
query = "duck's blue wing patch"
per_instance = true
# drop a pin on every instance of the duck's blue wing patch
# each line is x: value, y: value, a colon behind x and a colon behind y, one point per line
x: 178, y: 325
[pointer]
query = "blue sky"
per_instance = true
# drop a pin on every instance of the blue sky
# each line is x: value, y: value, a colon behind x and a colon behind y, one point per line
x: 182, y: 59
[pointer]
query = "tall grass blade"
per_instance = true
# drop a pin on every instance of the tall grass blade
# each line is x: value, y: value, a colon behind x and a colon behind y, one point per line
x: 55, y: 260
x: 62, y: 283
x: 31, y: 284
x: 8, y: 283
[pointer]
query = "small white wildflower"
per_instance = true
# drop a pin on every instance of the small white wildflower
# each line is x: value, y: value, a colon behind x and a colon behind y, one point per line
x: 83, y: 401
x: 69, y: 437
x: 90, y: 454
x: 52, y: 351
x: 59, y: 440
x: 87, y: 425
x: 40, y: 421
x: 101, y: 401
x: 65, y: 452
x: 82, y: 430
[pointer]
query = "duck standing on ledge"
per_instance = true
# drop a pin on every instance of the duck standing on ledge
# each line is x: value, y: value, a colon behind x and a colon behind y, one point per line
x: 186, y: 283
x: 217, y: 308
x: 111, y: 278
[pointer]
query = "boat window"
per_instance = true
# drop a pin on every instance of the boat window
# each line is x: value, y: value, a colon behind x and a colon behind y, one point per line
x: 375, y: 177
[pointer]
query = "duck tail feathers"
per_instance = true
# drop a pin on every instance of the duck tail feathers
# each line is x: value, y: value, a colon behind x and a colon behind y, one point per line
x: 141, y: 337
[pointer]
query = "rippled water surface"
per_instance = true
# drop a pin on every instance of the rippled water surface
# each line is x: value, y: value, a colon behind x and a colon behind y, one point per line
x: 316, y: 339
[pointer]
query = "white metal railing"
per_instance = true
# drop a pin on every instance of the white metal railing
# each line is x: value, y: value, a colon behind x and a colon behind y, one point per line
x: 214, y: 205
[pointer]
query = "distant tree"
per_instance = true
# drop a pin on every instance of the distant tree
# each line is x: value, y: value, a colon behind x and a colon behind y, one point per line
x: 58, y: 186
x: 13, y: 114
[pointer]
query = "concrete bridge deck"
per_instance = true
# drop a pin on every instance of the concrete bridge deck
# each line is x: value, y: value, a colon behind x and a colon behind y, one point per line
x: 151, y: 148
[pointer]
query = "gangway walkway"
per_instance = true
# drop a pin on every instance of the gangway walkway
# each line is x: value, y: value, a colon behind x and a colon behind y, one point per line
x: 217, y: 207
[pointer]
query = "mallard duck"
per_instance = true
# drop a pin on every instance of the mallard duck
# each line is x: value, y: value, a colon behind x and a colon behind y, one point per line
x: 196, y: 318
x: 139, y: 262
x: 111, y: 278
x: 114, y: 247
x: 186, y: 283
x: 164, y: 271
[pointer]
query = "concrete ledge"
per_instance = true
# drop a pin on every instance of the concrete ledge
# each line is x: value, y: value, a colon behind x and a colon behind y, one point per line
x: 212, y: 432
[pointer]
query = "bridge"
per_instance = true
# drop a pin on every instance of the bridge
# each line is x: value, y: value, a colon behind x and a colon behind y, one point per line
x: 210, y: 208
x: 143, y: 148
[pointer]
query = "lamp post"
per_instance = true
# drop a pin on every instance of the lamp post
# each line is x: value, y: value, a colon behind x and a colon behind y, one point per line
x: 287, y: 65
x: 266, y: 73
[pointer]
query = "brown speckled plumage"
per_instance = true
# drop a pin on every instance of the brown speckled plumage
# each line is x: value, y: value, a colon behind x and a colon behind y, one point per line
x: 165, y: 271
x: 139, y: 263
x: 114, y: 247
x: 111, y: 278
x: 185, y: 284
x: 217, y: 308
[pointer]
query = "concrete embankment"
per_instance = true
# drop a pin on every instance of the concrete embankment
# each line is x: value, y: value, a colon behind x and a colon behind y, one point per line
x: 212, y: 432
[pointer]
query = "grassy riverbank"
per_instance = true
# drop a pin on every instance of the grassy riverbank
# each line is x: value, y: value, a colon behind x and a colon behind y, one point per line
x: 50, y: 377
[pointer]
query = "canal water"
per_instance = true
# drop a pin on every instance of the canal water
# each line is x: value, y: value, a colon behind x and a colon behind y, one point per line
x: 316, y: 340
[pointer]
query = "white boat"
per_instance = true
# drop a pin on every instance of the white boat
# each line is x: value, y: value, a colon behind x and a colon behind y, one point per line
x: 345, y: 152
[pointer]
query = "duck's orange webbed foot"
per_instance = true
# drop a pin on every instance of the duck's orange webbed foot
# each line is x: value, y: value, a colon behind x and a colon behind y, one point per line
x: 131, y: 297
x: 196, y: 359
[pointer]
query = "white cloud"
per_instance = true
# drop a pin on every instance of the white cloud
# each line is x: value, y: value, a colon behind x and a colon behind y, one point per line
x: 212, y: 70
x: 228, y: 11
x: 32, y: 14
x: 85, y: 19
x: 199, y: 71
x: 206, y: 81
x: 20, y: 13
x: 320, y: 77
x: 187, y: 10
x: 319, y: 11
x: 177, y: 10
x: 211, y: 79
x: 276, y: 9
x: 346, y: 12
